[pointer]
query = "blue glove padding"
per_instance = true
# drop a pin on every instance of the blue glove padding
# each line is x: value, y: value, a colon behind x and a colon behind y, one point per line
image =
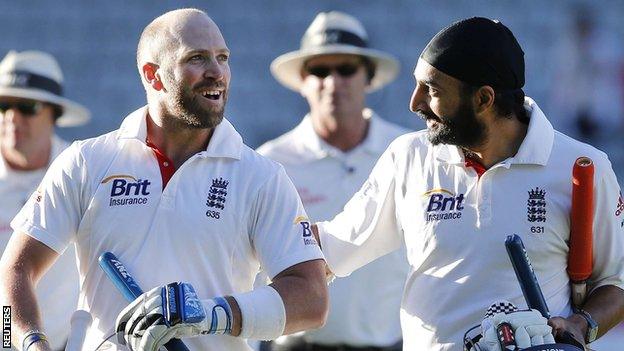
x: 171, y: 311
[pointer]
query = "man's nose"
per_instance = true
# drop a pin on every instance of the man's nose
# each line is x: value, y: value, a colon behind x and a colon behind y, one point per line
x: 418, y: 99
x: 215, y: 70
x: 331, y: 81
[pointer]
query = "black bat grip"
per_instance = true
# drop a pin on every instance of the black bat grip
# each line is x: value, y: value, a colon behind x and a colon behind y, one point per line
x: 525, y: 274
x: 176, y: 345
x: 529, y: 284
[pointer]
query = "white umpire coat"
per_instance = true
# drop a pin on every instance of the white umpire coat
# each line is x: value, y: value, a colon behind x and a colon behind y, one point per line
x: 364, y: 307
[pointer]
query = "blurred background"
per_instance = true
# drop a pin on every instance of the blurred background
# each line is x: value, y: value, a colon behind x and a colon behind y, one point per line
x: 574, y: 56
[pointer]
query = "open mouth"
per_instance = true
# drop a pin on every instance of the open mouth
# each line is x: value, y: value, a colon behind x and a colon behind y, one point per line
x: 433, y: 119
x: 430, y: 118
x: 212, y: 94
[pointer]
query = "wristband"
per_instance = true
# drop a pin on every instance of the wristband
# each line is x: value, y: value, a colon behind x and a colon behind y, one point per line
x: 31, y: 337
x: 263, y: 313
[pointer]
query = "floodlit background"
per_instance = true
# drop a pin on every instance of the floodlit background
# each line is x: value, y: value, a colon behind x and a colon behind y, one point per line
x: 574, y: 54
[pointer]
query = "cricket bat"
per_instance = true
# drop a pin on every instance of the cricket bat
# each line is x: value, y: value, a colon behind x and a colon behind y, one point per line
x: 130, y: 289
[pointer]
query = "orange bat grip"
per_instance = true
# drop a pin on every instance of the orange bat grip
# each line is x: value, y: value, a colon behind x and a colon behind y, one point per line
x: 580, y: 264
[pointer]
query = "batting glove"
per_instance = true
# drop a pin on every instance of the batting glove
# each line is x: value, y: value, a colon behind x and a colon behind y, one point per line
x: 171, y: 311
x: 529, y: 328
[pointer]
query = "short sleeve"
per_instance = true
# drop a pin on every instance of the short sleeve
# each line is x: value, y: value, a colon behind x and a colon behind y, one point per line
x: 367, y: 228
x: 52, y: 214
x: 279, y: 228
x: 608, y: 243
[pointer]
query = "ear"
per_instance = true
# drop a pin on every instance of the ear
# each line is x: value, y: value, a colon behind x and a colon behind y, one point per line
x: 151, y: 76
x: 484, y: 99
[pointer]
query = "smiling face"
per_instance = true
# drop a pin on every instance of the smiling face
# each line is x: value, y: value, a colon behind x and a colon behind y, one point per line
x: 446, y: 106
x: 196, y: 76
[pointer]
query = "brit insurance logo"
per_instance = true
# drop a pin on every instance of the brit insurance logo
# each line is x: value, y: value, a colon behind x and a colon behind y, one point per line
x: 127, y: 190
x: 216, y: 197
x: 306, y: 230
x: 443, y: 205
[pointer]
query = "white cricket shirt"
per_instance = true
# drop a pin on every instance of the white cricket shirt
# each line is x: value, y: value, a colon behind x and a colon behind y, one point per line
x: 364, y: 307
x: 454, y: 225
x: 57, y: 291
x: 222, y: 213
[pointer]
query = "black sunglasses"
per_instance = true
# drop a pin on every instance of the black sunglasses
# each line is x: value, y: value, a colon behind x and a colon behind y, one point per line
x: 26, y: 108
x: 344, y: 70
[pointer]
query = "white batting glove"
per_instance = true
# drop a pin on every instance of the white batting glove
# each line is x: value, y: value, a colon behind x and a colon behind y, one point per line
x: 530, y: 328
x: 171, y: 311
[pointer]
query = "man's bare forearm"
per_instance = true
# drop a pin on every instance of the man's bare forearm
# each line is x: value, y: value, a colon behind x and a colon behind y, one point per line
x: 19, y: 293
x: 606, y: 306
x: 23, y: 262
x: 304, y: 293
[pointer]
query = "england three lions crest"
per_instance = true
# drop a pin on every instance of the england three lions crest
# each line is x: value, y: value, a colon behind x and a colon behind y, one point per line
x: 536, y: 205
x: 216, y: 197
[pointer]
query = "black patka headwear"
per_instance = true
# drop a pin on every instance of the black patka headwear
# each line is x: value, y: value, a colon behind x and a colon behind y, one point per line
x: 478, y: 51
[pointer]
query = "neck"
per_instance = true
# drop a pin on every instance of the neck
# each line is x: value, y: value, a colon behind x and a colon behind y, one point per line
x: 30, y: 159
x: 503, y: 139
x: 343, y: 133
x: 178, y: 143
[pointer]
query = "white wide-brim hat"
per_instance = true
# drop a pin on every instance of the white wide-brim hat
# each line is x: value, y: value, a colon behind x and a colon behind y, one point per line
x: 334, y: 33
x: 36, y: 75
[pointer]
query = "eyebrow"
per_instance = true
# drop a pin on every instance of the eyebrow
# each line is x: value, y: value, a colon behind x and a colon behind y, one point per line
x: 430, y: 82
x: 203, y: 51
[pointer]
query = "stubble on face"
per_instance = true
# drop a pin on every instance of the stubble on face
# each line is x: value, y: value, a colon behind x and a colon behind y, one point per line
x: 446, y: 105
x: 189, y: 102
x: 461, y: 128
x: 185, y: 108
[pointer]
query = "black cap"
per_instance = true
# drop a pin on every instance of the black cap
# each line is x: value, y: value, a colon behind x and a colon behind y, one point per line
x: 478, y: 51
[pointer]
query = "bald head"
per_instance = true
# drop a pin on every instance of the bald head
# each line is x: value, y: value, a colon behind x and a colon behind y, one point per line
x: 184, y: 67
x: 165, y: 34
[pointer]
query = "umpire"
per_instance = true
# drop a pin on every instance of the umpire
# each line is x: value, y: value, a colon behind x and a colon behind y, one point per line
x: 328, y: 156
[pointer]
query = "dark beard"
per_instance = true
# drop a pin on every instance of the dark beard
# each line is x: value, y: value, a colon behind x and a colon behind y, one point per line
x: 461, y: 129
x: 187, y: 108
